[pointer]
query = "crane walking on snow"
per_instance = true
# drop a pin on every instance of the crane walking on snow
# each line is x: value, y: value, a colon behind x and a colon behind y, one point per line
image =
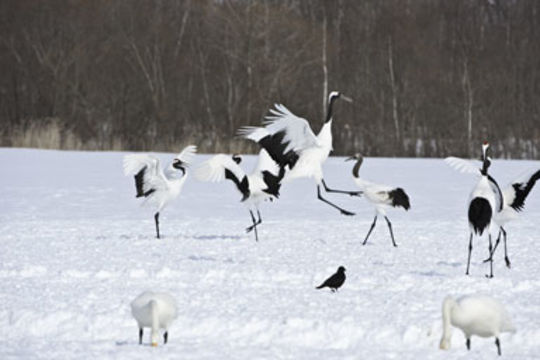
x: 380, y: 196
x: 289, y: 140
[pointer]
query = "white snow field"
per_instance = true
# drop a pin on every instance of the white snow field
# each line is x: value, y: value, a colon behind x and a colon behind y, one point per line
x: 77, y: 247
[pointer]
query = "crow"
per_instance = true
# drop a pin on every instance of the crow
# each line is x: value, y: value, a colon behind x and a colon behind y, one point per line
x: 335, y: 281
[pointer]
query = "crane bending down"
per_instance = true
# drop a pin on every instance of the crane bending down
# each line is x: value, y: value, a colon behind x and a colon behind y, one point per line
x: 262, y: 184
x: 380, y: 196
x: 158, y: 186
x: 289, y: 140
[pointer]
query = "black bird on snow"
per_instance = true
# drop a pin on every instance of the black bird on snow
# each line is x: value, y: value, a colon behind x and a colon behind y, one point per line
x: 335, y: 281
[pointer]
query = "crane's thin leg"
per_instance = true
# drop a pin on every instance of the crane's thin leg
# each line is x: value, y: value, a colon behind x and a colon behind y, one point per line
x: 165, y: 337
x: 391, y: 232
x: 370, y: 230
x: 491, y: 258
x: 498, y: 343
x: 495, y: 247
x: 343, y: 211
x: 254, y: 226
x: 250, y: 228
x: 351, y: 193
x: 506, y: 259
x: 156, y: 218
x: 469, y: 258
x: 140, y: 335
x: 468, y: 343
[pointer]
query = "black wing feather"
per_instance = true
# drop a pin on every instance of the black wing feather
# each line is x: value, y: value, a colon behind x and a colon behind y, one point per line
x: 242, y: 185
x: 399, y: 198
x: 275, y: 147
x: 139, y: 184
x: 273, y: 182
x: 522, y: 191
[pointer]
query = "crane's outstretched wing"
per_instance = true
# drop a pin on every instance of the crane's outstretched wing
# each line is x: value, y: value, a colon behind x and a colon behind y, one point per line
x: 147, y: 171
x: 517, y: 192
x: 221, y: 167
x: 462, y: 165
x: 187, y: 154
x: 284, y: 135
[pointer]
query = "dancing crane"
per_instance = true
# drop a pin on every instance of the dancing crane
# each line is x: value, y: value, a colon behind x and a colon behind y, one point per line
x: 262, y: 184
x: 289, y: 140
x: 158, y: 186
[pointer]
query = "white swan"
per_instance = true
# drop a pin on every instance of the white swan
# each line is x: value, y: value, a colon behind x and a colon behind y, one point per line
x: 156, y: 311
x: 474, y: 315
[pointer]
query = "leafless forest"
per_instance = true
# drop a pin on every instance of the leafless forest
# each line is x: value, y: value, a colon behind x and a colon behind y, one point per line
x: 428, y: 77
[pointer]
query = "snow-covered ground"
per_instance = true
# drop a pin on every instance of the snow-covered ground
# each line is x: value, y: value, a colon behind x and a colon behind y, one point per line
x: 77, y: 248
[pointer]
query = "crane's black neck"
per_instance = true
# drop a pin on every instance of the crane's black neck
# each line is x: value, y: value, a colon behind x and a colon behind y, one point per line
x: 329, y: 112
x: 498, y: 192
x: 485, y: 166
x: 356, y: 167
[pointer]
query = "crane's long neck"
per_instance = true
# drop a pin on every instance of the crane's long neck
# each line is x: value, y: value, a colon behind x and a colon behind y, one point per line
x: 356, y: 168
x: 498, y: 192
x: 325, y: 136
x: 330, y: 108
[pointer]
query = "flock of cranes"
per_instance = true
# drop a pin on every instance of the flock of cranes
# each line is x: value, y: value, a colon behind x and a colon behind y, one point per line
x: 289, y: 149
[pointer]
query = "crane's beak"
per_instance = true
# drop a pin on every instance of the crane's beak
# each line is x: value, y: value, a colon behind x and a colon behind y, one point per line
x: 350, y: 158
x: 346, y: 98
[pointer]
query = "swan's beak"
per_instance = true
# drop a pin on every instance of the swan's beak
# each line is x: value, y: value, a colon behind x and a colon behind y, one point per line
x: 154, y: 344
x: 346, y: 98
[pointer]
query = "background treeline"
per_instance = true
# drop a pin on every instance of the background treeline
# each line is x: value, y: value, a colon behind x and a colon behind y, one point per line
x: 428, y: 77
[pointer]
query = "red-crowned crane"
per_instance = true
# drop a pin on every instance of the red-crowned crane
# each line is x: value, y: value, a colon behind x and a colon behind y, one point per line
x: 262, y: 184
x: 289, y: 140
x: 380, y: 196
x: 158, y: 186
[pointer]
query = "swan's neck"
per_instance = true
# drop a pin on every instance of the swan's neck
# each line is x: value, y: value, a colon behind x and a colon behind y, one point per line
x: 448, y: 306
x: 155, y: 322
